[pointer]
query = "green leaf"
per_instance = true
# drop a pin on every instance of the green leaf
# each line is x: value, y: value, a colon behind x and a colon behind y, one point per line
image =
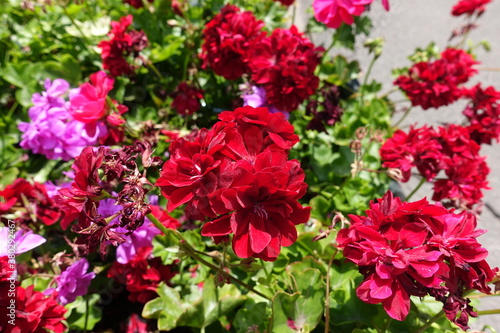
x: 166, y: 308
x: 77, y: 315
x: 253, y: 315
x: 64, y: 67
x: 172, y: 46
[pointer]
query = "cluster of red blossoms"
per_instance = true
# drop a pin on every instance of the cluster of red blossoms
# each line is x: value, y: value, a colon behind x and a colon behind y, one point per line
x: 97, y: 174
x: 23, y: 201
x: 417, y: 249
x: 282, y: 63
x: 469, y: 7
x: 450, y: 149
x: 121, y: 45
x: 237, y: 179
x: 32, y: 310
x: 187, y: 99
x: 435, y: 84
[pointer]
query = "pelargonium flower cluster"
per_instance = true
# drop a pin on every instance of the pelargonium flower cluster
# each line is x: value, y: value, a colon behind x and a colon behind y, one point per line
x: 53, y: 131
x: 483, y: 114
x: 449, y: 149
x: 282, y: 63
x: 469, y: 7
x: 24, y: 200
x: 81, y: 201
x: 437, y: 83
x: 123, y: 43
x: 187, y: 99
x: 335, y: 12
x: 237, y: 179
x: 416, y: 249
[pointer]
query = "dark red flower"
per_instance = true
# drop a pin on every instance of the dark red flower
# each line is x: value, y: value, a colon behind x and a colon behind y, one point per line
x: 434, y: 84
x: 33, y: 199
x: 121, y: 45
x: 284, y: 64
x: 187, y: 99
x: 136, y: 3
x: 325, y: 111
x: 286, y: 2
x: 483, y: 114
x: 34, y: 312
x: 469, y: 7
x: 141, y: 275
x: 419, y: 148
x: 227, y: 39
x: 406, y: 249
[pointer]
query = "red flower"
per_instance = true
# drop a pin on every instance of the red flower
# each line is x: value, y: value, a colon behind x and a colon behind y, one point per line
x: 284, y: 64
x: 141, y: 275
x: 136, y: 3
x: 33, y: 198
x: 286, y: 2
x: 483, y: 114
x: 227, y: 38
x: 34, y: 312
x: 434, y: 84
x: 77, y: 202
x: 419, y: 148
x: 121, y: 45
x: 469, y: 7
x: 264, y: 205
x: 406, y: 249
x: 187, y: 99
x: 237, y: 175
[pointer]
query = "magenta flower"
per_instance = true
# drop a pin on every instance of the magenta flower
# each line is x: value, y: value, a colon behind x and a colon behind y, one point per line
x: 257, y: 98
x: 334, y: 12
x: 73, y: 282
x: 23, y: 241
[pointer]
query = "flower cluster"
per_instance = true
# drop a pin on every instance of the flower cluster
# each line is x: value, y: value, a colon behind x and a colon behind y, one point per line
x: 335, y: 12
x: 53, y: 131
x: 187, y: 99
x: 237, y: 178
x: 25, y: 200
x: 416, y: 249
x: 326, y: 109
x: 437, y: 83
x: 450, y: 149
x: 483, y: 114
x: 227, y: 39
x: 81, y: 201
x: 122, y: 44
x: 282, y: 63
x: 469, y: 7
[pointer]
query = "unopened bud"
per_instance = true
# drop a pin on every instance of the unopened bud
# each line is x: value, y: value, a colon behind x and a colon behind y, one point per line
x: 395, y: 174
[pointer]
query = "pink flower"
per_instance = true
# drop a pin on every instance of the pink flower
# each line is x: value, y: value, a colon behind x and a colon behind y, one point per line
x: 334, y: 12
x: 88, y: 103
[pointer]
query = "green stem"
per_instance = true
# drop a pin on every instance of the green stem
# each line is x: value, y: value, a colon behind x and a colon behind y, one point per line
x: 154, y: 69
x: 192, y: 253
x: 327, y: 298
x: 430, y: 322
x: 488, y: 312
x: 422, y: 181
x: 407, y: 112
x: 84, y: 37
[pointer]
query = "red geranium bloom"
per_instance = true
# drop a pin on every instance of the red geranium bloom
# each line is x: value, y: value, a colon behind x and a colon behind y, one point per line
x: 227, y: 38
x: 483, y: 114
x: 22, y: 193
x: 434, y: 84
x: 136, y: 3
x: 406, y: 249
x: 334, y: 12
x: 264, y: 205
x: 141, y: 275
x: 187, y: 99
x: 121, y: 45
x: 286, y: 2
x: 469, y: 7
x: 34, y: 312
x: 284, y: 64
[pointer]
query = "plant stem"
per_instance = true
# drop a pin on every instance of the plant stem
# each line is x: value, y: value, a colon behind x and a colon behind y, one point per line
x: 430, y: 322
x: 327, y: 298
x: 422, y: 181
x: 488, y: 312
x: 154, y: 69
x: 407, y: 112
x: 84, y: 37
x: 192, y: 253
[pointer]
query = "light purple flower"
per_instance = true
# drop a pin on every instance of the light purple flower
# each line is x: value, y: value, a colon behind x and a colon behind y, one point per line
x: 141, y: 237
x: 256, y: 97
x: 73, y: 282
x: 52, y: 131
x: 22, y: 241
